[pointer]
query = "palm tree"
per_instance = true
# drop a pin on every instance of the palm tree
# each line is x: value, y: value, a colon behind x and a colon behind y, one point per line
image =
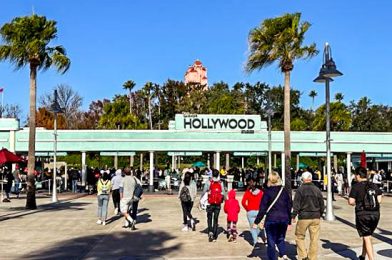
x: 312, y: 94
x: 148, y: 88
x: 129, y: 85
x: 339, y: 97
x: 26, y: 42
x: 280, y: 39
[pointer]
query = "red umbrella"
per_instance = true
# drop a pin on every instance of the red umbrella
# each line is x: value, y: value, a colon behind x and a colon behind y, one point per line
x: 363, y: 159
x: 8, y: 157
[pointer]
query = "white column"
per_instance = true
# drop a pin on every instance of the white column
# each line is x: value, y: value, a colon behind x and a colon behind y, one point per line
x: 179, y: 161
x: 131, y: 160
x: 283, y: 165
x: 217, y: 156
x: 116, y: 161
x: 257, y: 160
x: 66, y: 177
x: 348, y: 165
x: 173, y: 166
x: 335, y: 162
x: 227, y: 161
x: 84, y: 169
x: 242, y: 162
x: 389, y: 165
x: 141, y: 162
x: 275, y: 159
x: 377, y: 166
x: 12, y: 147
x: 214, y: 161
x: 297, y: 162
x: 208, y: 161
x: 151, y: 187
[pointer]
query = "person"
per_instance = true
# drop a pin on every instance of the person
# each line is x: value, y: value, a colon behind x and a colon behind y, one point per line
x: 216, y: 192
x: 339, y: 182
x: 135, y: 201
x: 251, y: 203
x: 74, y: 179
x: 103, y: 191
x: 116, y: 182
x: 186, y: 195
x: 9, y: 177
x: 377, y: 179
x: 308, y: 205
x: 127, y: 189
x: 17, y: 180
x: 232, y: 209
x: 276, y: 207
x: 366, y: 217
x: 167, y: 180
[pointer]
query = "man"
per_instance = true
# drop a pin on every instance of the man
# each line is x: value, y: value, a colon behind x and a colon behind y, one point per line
x: 366, y: 216
x: 215, y: 190
x: 17, y: 180
x: 127, y: 189
x: 309, y: 206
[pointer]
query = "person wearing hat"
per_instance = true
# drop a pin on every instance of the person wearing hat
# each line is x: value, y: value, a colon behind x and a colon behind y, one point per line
x: 308, y: 205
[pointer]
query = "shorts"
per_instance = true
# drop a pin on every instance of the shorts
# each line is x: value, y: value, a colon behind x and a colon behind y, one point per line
x: 124, y: 204
x: 366, y: 224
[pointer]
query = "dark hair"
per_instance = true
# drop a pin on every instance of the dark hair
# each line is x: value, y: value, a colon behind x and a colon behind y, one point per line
x: 215, y: 173
x: 361, y: 171
x: 105, y: 176
x: 187, y: 180
x: 127, y: 171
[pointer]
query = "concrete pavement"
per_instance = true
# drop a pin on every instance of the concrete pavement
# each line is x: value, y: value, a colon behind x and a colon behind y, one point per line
x: 67, y: 230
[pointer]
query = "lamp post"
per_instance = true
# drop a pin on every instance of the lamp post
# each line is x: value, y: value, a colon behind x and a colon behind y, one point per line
x: 327, y: 72
x: 55, y: 109
x: 270, y: 112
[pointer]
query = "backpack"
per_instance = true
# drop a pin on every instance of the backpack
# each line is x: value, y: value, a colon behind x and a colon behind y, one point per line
x: 105, y: 187
x: 370, y: 202
x: 138, y: 192
x: 185, y: 195
x: 215, y: 196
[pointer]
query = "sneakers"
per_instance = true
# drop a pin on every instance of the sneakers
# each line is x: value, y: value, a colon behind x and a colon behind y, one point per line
x: 210, y: 237
x: 103, y: 223
x: 231, y: 238
x: 126, y: 224
x: 185, y: 228
x: 261, y: 241
x: 133, y: 225
x: 99, y: 222
x: 115, y: 211
x: 130, y: 219
x: 285, y: 257
x: 234, y: 240
x: 361, y: 257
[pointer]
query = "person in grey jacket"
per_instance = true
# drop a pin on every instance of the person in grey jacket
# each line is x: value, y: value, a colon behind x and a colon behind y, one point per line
x: 127, y: 188
x: 308, y: 205
x: 116, y: 183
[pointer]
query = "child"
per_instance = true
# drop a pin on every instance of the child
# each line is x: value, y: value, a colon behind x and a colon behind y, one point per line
x: 232, y: 208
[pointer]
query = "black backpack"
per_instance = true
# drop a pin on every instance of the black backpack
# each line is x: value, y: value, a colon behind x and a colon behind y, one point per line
x: 370, y: 202
x: 185, y: 195
x: 138, y: 192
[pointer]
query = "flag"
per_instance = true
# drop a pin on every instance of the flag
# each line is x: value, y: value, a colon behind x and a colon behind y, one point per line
x: 1, y: 90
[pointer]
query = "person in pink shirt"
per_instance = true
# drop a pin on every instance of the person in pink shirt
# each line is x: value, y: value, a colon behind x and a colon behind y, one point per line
x: 232, y: 208
x: 251, y: 203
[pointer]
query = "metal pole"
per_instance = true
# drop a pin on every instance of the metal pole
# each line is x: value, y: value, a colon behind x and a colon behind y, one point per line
x: 329, y: 215
x: 269, y: 145
x: 54, y: 194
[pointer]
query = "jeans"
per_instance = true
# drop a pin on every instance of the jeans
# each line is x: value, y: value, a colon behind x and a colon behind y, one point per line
x: 103, y: 201
x: 276, y: 233
x: 116, y: 198
x: 212, y: 219
x: 251, y: 215
x: 313, y: 225
x: 74, y: 186
x: 135, y: 205
x: 186, y: 212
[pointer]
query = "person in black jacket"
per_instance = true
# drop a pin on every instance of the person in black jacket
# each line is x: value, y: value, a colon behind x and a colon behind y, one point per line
x: 308, y: 205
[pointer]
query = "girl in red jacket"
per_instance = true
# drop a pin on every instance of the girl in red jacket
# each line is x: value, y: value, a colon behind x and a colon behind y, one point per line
x: 232, y: 208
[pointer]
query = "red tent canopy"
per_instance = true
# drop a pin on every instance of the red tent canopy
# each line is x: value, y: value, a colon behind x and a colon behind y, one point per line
x: 363, y: 159
x: 8, y: 157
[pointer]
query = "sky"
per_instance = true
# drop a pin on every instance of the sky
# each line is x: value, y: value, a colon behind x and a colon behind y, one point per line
x: 110, y: 42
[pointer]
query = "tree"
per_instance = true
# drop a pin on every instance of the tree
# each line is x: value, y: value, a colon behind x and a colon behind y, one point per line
x: 69, y: 100
x: 340, y: 119
x: 147, y: 93
x: 339, y: 97
x: 11, y: 111
x: 280, y: 39
x: 45, y: 118
x: 90, y: 119
x: 26, y: 42
x: 129, y: 85
x: 312, y: 94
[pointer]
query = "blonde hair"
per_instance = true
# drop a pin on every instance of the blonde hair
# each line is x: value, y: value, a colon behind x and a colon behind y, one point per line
x: 274, y: 179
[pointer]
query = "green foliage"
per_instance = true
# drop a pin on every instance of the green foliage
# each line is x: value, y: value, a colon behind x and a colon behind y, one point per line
x: 340, y: 117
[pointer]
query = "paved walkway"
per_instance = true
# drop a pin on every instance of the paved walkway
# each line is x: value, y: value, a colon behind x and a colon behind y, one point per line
x: 67, y: 230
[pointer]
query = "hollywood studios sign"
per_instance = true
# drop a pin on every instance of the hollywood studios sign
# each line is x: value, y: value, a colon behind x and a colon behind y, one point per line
x: 196, y: 122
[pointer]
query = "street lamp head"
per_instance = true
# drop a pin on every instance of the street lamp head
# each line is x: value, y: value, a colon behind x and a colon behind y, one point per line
x: 328, y: 70
x: 331, y: 70
x: 55, y: 107
x: 321, y: 78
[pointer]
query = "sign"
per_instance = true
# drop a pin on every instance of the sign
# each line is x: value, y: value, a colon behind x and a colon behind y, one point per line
x: 117, y: 153
x: 50, y: 154
x: 185, y: 153
x: 250, y: 153
x: 242, y: 123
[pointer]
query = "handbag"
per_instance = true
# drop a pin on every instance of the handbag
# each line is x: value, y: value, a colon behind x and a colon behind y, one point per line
x: 275, y: 200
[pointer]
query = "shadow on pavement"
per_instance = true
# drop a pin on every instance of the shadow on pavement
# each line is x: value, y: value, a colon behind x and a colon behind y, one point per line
x: 18, y: 212
x: 261, y: 252
x: 386, y: 253
x: 119, y: 245
x: 340, y: 249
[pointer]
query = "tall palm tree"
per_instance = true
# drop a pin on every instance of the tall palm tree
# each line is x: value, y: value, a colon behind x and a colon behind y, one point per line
x: 339, y: 97
x: 280, y: 39
x: 129, y: 85
x: 26, y: 42
x: 147, y: 92
x: 313, y: 94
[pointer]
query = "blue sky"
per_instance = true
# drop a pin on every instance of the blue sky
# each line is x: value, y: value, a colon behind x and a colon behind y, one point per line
x: 110, y: 42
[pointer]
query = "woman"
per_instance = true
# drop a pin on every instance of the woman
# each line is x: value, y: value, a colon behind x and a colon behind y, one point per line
x: 187, y: 194
x: 251, y: 203
x: 276, y: 206
x: 103, y: 191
